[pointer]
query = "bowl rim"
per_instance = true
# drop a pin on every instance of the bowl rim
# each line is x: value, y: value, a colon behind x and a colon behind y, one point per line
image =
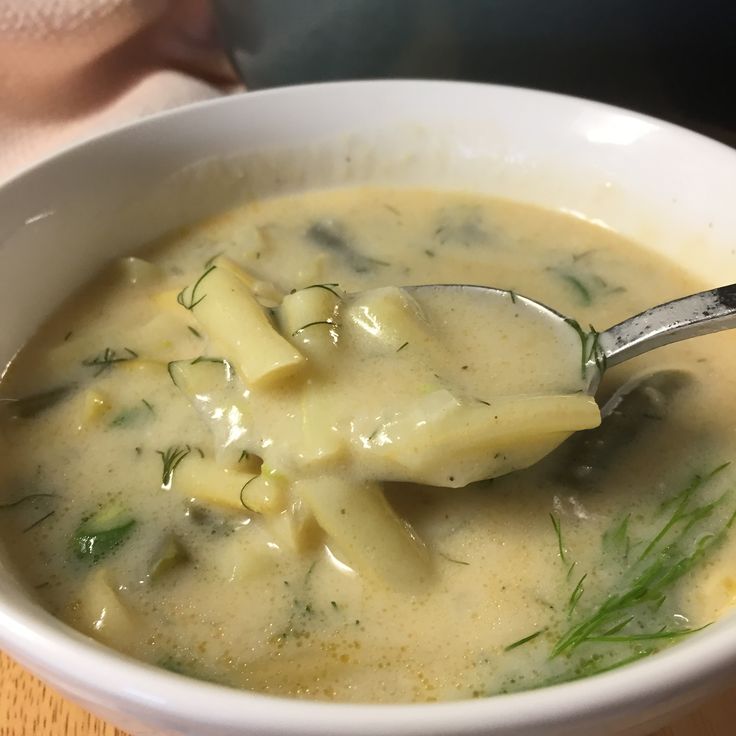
x: 48, y: 646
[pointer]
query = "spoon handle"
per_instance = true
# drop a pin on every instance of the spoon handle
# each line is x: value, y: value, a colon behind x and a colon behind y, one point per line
x: 699, y: 314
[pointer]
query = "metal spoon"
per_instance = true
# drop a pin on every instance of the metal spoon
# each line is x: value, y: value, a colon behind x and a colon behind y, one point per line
x: 690, y: 316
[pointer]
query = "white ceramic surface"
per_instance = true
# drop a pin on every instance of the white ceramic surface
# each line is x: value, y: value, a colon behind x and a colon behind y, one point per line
x: 668, y: 188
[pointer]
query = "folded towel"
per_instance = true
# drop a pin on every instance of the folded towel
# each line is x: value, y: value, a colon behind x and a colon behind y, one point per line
x: 73, y: 68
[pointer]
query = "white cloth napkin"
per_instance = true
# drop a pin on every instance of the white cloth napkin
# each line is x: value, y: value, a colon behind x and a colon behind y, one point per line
x: 73, y: 68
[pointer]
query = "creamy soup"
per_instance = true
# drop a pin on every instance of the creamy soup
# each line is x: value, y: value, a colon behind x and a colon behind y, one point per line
x: 249, y: 456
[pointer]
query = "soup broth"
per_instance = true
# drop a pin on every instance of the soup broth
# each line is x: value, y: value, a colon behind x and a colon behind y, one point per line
x: 142, y: 506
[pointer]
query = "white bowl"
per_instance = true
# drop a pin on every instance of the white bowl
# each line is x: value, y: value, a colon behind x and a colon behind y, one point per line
x: 664, y: 186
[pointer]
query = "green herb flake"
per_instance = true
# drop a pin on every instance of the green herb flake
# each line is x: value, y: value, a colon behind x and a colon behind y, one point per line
x: 525, y: 640
x: 190, y: 301
x: 171, y: 459
x: 312, y: 324
x: 558, y: 532
x: 108, y: 358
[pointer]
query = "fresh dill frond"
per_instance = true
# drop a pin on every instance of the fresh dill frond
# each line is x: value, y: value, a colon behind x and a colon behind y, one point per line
x: 107, y: 358
x: 681, y: 512
x: 661, y: 634
x: 326, y: 287
x: 673, y: 552
x: 25, y: 499
x: 210, y: 261
x: 558, y: 532
x: 39, y: 521
x: 576, y: 595
x: 525, y: 640
x: 452, y: 559
x: 210, y: 359
x: 193, y: 299
x: 242, y: 491
x: 171, y: 459
x: 617, y: 538
x: 583, y: 292
x: 329, y: 322
x: 590, y: 348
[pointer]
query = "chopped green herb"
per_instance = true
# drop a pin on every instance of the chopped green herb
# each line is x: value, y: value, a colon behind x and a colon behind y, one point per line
x: 39, y: 521
x: 401, y: 347
x: 208, y: 263
x: 617, y: 539
x: 133, y: 415
x: 682, y: 512
x: 580, y: 289
x: 525, y: 640
x: 107, y: 358
x: 194, y: 332
x: 326, y: 287
x: 590, y: 347
x: 32, y: 509
x: 576, y: 594
x: 558, y: 532
x: 26, y: 499
x: 171, y: 459
x: 675, y: 550
x: 312, y: 324
x: 452, y: 559
x: 242, y: 490
x: 193, y: 299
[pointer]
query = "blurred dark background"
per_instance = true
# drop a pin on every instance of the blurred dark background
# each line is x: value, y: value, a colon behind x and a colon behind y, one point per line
x: 674, y: 59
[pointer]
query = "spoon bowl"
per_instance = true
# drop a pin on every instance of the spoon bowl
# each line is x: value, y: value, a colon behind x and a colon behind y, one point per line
x: 680, y: 319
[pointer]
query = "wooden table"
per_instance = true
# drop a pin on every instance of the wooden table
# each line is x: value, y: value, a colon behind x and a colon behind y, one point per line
x: 29, y: 708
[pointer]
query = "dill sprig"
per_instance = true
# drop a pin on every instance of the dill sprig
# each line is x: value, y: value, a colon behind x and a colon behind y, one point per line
x: 582, y: 291
x: 681, y: 512
x: 325, y: 287
x: 107, y: 358
x: 329, y: 322
x: 525, y: 640
x: 26, y: 498
x: 663, y: 633
x: 558, y: 533
x: 590, y: 347
x: 34, y: 524
x: 452, y: 559
x: 171, y: 459
x: 662, y: 563
x: 193, y: 299
x: 576, y: 595
x: 242, y: 490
